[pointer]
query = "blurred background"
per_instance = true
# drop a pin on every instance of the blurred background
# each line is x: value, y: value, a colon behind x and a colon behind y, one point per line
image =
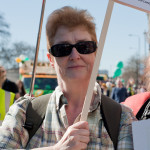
x: 125, y: 50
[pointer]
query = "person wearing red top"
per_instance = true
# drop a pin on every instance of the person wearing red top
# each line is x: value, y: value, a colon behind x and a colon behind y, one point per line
x: 140, y: 103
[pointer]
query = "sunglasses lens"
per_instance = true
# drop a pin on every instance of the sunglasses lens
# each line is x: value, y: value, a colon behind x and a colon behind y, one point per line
x: 61, y: 50
x: 86, y: 47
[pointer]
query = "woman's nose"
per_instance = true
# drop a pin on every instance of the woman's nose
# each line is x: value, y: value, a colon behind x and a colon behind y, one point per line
x: 74, y: 54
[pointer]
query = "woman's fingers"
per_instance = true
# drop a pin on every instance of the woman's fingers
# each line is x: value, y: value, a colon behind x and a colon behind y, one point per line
x: 76, y: 136
x: 81, y: 125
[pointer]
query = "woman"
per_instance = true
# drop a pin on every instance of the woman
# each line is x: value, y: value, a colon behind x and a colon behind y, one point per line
x: 21, y: 88
x: 71, y: 40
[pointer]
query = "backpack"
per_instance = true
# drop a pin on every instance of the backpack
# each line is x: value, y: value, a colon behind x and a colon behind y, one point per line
x: 109, y: 108
x: 140, y: 104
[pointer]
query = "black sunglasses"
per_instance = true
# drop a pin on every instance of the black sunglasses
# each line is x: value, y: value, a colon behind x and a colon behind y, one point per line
x: 61, y: 50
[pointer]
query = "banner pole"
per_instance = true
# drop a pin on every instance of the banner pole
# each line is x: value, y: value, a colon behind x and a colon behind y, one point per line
x: 37, y: 48
x: 89, y: 93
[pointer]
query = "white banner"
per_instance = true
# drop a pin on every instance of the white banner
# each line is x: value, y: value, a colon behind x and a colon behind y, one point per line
x: 141, y: 134
x: 143, y: 5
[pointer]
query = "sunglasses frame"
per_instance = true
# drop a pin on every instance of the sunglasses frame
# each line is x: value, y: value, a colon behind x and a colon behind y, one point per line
x: 68, y: 51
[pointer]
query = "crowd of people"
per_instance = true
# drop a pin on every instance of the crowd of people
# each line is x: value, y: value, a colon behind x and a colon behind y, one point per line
x: 72, y: 45
x: 118, y: 91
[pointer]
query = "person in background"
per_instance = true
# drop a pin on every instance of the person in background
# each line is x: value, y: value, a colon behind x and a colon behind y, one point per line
x: 119, y: 93
x: 104, y: 88
x: 141, y: 89
x: 21, y: 88
x: 72, y: 45
x: 6, y: 98
x: 8, y: 85
x: 140, y: 103
x: 109, y: 88
x: 131, y: 87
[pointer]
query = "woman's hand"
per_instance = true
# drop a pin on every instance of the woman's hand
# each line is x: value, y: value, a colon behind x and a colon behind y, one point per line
x: 75, y: 138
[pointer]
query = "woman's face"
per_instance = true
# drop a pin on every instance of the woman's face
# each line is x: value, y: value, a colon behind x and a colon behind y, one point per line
x: 76, y: 66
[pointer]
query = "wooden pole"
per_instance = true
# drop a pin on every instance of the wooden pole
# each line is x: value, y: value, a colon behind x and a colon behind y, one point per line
x: 37, y: 48
x: 89, y: 93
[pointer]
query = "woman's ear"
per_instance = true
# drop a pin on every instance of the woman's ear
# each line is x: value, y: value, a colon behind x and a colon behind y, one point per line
x: 50, y: 59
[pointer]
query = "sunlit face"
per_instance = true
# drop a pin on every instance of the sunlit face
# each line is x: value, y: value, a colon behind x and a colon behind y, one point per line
x: 76, y: 66
x: 119, y: 84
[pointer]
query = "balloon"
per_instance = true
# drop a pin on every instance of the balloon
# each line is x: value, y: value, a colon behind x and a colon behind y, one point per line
x: 114, y: 76
x: 18, y: 60
x: 117, y: 73
x: 26, y: 59
x: 22, y: 57
x: 120, y: 65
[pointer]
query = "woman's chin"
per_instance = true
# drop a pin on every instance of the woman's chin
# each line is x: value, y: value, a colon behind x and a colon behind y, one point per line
x: 77, y: 77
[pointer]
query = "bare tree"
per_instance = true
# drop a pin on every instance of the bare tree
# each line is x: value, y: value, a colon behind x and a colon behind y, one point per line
x: 4, y: 31
x: 132, y: 70
x: 8, y: 55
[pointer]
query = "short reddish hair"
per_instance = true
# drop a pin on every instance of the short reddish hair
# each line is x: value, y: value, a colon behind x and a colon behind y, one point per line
x: 69, y: 17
